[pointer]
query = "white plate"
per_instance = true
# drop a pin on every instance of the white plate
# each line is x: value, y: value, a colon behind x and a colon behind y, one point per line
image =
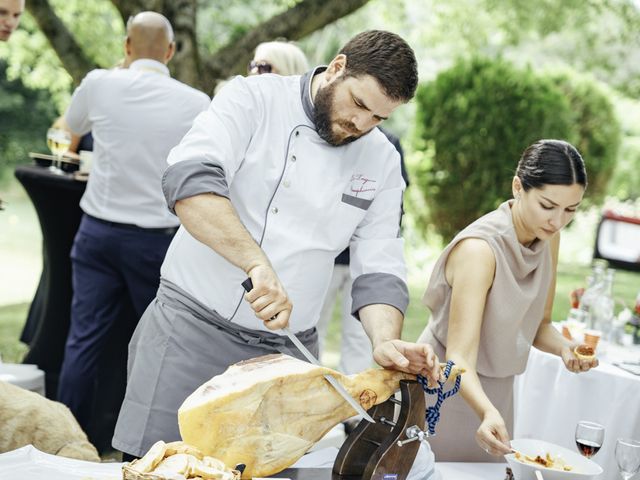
x: 30, y: 463
x: 583, y: 468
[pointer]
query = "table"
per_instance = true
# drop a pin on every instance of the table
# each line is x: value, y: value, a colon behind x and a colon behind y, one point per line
x: 444, y: 471
x: 27, y: 462
x: 550, y: 400
x: 56, y: 200
x: 317, y: 465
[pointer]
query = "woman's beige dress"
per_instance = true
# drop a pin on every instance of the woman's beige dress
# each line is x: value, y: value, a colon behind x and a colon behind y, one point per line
x: 514, y: 309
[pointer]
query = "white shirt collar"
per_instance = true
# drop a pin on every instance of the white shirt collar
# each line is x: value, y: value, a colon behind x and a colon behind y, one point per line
x: 150, y: 65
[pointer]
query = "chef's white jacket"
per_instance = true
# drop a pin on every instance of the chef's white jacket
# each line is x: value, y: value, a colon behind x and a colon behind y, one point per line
x: 302, y: 199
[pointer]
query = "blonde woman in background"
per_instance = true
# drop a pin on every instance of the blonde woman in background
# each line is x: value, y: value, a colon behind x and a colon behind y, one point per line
x: 280, y: 57
x: 283, y: 58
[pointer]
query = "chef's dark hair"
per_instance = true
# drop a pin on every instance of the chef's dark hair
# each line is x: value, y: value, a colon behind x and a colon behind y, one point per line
x: 387, y: 58
x: 551, y: 162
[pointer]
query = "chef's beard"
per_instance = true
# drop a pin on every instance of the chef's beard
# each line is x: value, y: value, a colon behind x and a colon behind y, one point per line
x: 324, y: 118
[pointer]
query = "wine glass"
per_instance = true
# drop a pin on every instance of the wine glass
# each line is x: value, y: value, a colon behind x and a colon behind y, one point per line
x: 628, y: 457
x: 589, y: 438
x: 58, y: 141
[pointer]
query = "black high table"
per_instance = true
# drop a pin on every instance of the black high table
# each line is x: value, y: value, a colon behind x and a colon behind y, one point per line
x: 56, y: 199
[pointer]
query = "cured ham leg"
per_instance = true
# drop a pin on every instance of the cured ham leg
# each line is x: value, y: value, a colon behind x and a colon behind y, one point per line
x: 269, y: 411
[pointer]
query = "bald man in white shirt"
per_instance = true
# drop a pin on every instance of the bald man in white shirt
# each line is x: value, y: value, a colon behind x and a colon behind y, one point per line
x: 10, y: 13
x: 136, y: 115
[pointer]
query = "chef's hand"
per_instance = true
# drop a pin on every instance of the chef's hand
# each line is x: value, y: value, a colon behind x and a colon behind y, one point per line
x: 416, y: 358
x: 268, y: 298
x: 492, y: 435
x: 575, y: 364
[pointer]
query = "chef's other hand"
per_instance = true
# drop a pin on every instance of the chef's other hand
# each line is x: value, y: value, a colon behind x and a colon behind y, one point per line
x: 416, y: 358
x: 575, y: 364
x: 492, y: 435
x: 268, y: 298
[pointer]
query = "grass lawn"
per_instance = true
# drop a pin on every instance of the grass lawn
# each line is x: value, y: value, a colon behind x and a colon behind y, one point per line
x: 626, y: 287
x: 12, y: 319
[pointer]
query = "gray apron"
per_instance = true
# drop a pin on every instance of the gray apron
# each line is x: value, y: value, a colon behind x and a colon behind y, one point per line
x: 178, y: 345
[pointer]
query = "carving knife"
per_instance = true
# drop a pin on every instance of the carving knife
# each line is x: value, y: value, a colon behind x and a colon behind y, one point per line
x: 248, y: 286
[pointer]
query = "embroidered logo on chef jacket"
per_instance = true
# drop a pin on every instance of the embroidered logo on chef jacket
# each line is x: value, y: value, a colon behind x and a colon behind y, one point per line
x: 360, y: 192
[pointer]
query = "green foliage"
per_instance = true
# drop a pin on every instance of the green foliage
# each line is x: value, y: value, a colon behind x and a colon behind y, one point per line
x: 597, y: 127
x: 221, y: 22
x: 96, y: 25
x: 478, y: 117
x: 625, y: 183
x: 25, y: 115
x: 11, y: 323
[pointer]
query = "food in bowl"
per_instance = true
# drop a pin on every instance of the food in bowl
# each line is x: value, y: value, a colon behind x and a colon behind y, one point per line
x: 548, y: 461
x: 584, y: 352
x: 582, y: 468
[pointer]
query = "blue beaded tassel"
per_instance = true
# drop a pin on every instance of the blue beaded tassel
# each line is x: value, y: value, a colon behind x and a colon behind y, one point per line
x: 433, y: 412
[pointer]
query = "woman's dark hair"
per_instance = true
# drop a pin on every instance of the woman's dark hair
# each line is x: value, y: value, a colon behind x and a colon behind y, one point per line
x: 551, y: 162
x: 387, y: 58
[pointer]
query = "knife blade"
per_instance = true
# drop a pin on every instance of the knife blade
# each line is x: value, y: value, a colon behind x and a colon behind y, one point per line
x: 248, y: 286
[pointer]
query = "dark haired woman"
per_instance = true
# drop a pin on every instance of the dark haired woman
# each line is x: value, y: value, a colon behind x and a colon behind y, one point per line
x: 491, y: 295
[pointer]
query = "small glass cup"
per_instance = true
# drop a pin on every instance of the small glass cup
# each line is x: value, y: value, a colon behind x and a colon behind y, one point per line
x: 592, y: 337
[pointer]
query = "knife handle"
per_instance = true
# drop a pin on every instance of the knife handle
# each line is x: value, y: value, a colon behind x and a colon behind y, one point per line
x: 248, y: 286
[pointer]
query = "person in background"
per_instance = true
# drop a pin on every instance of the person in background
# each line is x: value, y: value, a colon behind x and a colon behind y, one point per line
x: 271, y: 183
x: 355, y: 347
x: 10, y: 13
x: 491, y: 296
x: 282, y: 58
x: 80, y: 142
x: 136, y: 115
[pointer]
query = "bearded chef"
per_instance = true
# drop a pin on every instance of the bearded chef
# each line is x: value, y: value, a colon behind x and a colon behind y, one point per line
x: 271, y: 183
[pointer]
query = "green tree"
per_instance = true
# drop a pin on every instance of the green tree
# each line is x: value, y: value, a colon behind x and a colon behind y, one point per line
x: 191, y: 64
x: 477, y: 118
x: 22, y: 111
x: 598, y: 129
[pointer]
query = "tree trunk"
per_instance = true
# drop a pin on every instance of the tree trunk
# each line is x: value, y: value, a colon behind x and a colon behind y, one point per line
x: 70, y: 53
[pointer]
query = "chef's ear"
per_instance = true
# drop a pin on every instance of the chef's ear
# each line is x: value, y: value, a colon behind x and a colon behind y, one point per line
x: 336, y: 68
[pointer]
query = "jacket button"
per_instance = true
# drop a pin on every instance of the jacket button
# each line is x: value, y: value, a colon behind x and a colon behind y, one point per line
x: 286, y: 183
x: 274, y: 210
x: 293, y: 158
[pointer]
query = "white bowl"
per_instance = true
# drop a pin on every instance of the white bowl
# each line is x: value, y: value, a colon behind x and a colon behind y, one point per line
x: 583, y: 468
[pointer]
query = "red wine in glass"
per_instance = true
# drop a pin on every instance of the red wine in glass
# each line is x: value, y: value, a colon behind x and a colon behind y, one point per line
x: 587, y: 448
x: 589, y: 438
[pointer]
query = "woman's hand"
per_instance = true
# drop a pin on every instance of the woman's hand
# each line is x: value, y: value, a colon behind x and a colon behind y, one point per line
x: 575, y: 364
x: 492, y: 435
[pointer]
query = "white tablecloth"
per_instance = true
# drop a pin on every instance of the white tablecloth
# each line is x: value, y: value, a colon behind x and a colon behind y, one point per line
x: 550, y: 400
x: 27, y: 462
